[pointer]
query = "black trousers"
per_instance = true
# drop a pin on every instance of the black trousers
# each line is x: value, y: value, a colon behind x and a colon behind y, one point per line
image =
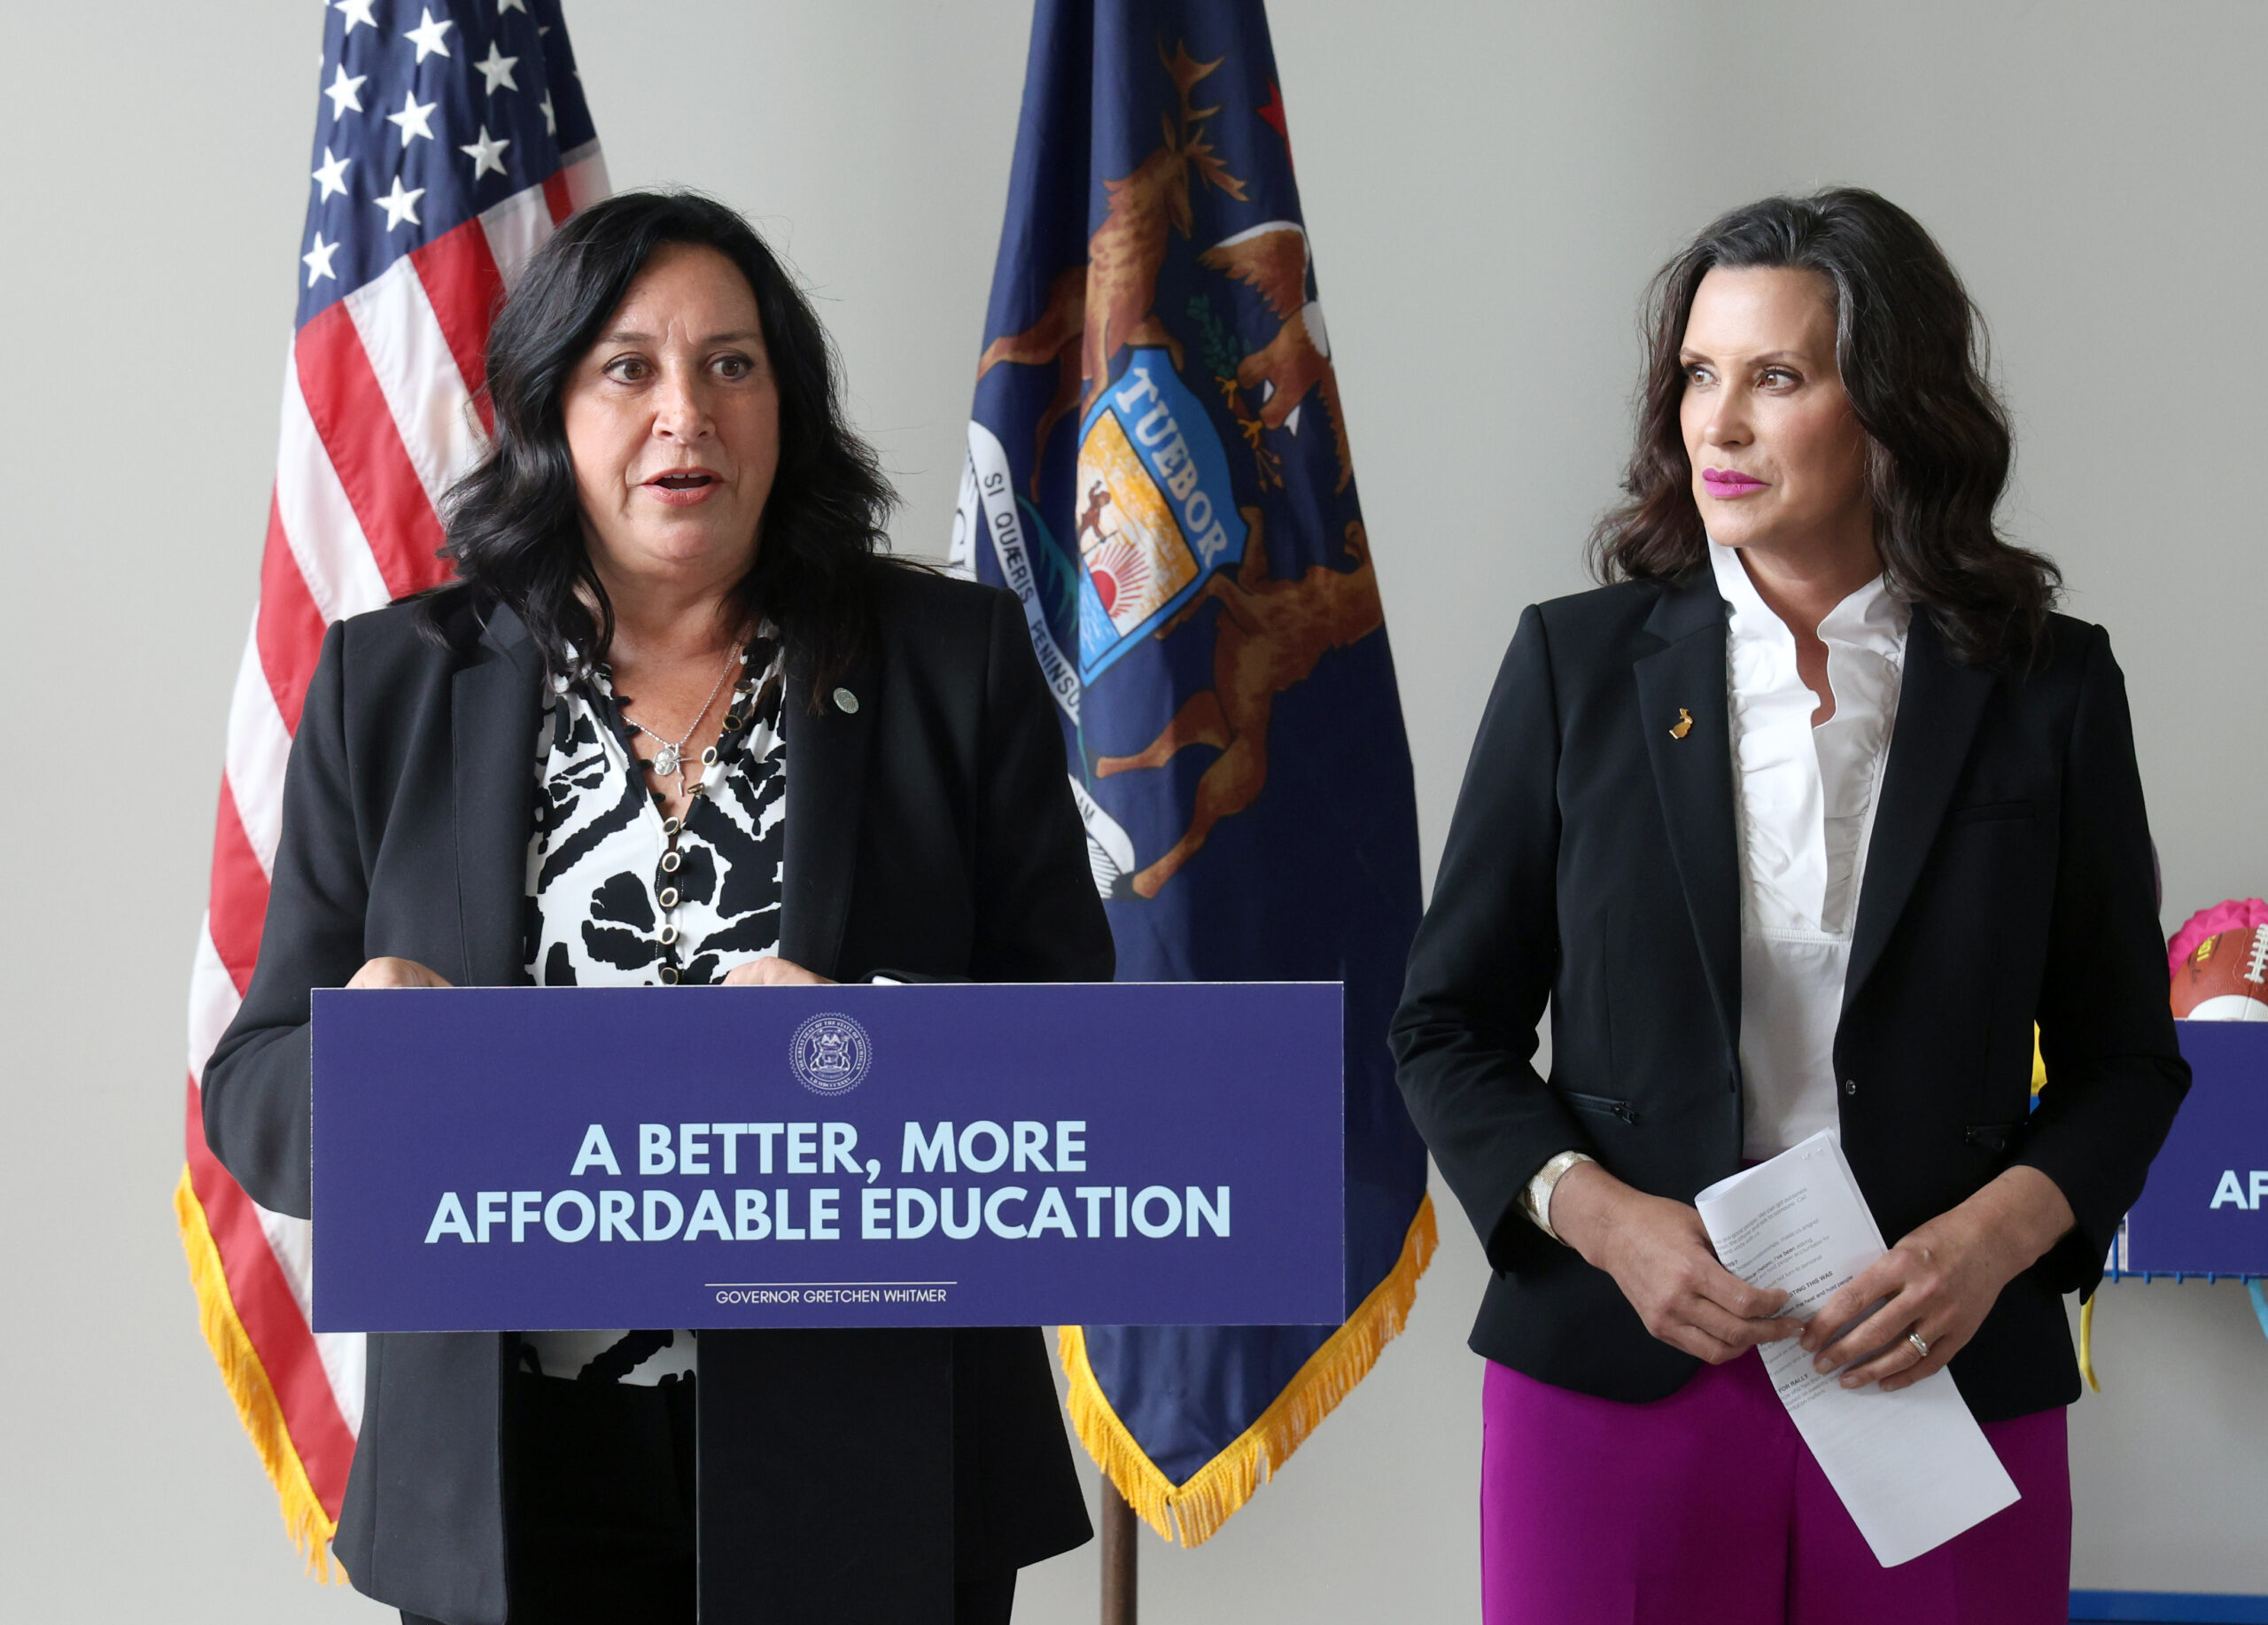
x: 599, y: 1508
x: 975, y: 1602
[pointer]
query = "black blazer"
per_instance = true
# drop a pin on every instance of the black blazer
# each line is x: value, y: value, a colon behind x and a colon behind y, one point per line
x: 930, y: 832
x: 1592, y: 862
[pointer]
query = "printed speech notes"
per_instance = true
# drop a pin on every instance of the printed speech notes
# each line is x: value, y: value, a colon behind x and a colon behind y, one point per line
x: 1912, y: 1467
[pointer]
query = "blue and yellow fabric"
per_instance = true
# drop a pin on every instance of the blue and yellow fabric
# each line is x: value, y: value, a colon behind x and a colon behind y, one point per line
x: 1160, y: 468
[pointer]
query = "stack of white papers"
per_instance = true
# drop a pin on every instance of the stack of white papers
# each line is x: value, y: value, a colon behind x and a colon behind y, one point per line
x: 1913, y: 1469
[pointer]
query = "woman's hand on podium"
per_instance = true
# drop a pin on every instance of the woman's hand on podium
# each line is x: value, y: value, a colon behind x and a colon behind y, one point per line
x: 1658, y: 1254
x: 388, y: 972
x: 772, y: 971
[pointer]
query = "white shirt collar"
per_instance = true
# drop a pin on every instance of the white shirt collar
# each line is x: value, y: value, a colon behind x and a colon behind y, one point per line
x: 1807, y: 794
x: 1873, y: 619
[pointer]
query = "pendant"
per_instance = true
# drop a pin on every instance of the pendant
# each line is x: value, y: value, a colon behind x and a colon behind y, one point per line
x: 665, y: 760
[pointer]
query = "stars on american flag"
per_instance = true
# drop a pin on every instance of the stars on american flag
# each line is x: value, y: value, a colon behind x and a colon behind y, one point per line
x: 346, y: 94
x: 400, y: 206
x: 317, y: 261
x: 498, y: 69
x: 427, y: 34
x: 331, y: 176
x: 414, y: 118
x: 435, y: 110
x: 487, y: 156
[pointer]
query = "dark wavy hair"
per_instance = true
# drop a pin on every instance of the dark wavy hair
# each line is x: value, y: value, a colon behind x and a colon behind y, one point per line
x: 1911, y: 349
x: 513, y: 524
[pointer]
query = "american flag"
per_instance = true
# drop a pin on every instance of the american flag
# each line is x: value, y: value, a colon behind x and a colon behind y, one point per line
x: 451, y: 138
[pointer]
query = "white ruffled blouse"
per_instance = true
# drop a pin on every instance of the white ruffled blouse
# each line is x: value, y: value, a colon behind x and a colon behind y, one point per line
x: 1806, y: 800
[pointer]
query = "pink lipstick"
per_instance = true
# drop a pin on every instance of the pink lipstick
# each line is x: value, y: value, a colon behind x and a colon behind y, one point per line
x: 1729, y: 483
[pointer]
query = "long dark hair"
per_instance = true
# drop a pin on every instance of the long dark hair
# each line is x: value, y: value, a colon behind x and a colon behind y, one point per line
x: 513, y: 524
x: 1912, y: 350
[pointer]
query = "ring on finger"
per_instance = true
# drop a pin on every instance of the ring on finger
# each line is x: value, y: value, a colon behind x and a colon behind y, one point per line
x: 1921, y: 1347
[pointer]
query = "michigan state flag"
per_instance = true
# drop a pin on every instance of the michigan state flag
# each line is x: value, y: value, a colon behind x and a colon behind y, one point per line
x: 1159, y: 468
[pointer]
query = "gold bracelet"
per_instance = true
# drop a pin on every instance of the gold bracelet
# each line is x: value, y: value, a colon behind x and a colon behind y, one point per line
x: 1535, y: 1199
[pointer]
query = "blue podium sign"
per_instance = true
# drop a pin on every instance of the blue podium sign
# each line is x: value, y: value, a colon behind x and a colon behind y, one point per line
x: 2205, y: 1209
x: 491, y: 1159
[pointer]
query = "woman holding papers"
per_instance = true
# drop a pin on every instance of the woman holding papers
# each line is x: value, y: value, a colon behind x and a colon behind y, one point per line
x: 676, y: 722
x: 1799, y: 824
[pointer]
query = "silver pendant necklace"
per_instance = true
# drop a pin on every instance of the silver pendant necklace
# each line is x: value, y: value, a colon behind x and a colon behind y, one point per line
x: 670, y: 759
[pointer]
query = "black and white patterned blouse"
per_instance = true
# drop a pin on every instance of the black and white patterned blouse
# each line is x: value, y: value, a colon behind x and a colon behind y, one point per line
x: 621, y: 895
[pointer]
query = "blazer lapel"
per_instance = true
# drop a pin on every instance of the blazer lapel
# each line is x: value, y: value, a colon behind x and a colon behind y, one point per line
x: 1938, y: 708
x: 1693, y: 774
x: 496, y: 704
x: 827, y: 775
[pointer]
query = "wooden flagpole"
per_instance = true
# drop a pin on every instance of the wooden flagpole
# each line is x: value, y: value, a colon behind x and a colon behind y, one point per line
x: 1118, y: 1555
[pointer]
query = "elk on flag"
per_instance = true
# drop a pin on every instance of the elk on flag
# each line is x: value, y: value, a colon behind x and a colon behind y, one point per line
x: 1159, y: 468
x: 451, y: 137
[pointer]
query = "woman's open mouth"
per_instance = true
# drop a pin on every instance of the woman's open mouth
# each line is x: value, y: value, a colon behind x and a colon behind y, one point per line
x: 683, y: 488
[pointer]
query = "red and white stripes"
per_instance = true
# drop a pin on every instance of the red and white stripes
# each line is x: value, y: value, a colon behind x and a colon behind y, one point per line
x: 381, y: 411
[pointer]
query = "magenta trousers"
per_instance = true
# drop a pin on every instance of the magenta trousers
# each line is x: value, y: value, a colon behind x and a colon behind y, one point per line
x: 1706, y: 1508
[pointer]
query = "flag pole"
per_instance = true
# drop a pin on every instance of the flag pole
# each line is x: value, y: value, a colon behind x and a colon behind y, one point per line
x: 1118, y: 1555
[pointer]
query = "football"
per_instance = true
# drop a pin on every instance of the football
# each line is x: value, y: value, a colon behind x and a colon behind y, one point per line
x: 2224, y: 978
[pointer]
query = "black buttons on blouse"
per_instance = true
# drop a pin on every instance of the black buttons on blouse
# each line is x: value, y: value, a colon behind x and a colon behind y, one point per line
x: 666, y: 895
x: 672, y: 858
x: 667, y: 899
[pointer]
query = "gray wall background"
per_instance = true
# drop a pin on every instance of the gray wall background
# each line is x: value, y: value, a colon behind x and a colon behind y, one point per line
x: 1487, y: 186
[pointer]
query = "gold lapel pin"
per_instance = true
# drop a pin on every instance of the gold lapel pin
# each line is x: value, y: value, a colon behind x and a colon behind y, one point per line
x: 1684, y: 724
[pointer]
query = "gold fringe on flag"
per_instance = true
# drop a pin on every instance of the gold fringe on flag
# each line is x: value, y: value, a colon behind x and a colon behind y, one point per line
x: 257, y: 1407
x: 1197, y: 1508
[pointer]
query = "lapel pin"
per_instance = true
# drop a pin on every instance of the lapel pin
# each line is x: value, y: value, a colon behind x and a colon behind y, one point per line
x: 1684, y: 724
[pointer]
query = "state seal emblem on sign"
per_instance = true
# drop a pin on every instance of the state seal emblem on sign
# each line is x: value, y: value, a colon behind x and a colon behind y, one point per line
x: 830, y: 1054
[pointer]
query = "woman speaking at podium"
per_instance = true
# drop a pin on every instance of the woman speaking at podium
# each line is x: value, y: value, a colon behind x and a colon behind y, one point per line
x: 676, y: 722
x: 1799, y: 824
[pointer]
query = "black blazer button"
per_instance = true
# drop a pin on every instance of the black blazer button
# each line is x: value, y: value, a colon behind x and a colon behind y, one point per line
x: 1850, y: 1086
